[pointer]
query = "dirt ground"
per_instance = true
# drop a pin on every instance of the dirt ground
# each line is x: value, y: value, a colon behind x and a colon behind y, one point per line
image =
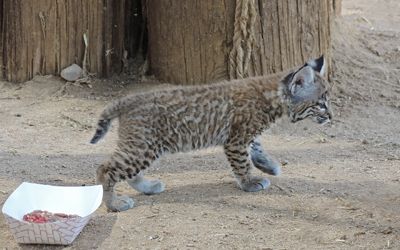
x: 340, y: 186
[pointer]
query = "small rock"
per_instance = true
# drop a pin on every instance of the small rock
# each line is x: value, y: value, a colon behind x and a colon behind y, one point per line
x: 284, y: 162
x: 154, y: 237
x: 365, y: 142
x: 72, y: 73
x: 18, y: 115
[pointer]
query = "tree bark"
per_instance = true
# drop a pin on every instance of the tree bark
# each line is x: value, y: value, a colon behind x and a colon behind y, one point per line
x: 45, y: 36
x: 188, y: 39
x: 337, y: 7
x: 202, y: 41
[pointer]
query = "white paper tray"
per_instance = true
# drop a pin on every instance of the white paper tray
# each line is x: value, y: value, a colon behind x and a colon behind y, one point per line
x: 81, y: 201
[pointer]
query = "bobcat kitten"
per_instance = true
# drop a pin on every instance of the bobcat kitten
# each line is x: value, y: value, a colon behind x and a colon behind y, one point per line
x: 232, y: 114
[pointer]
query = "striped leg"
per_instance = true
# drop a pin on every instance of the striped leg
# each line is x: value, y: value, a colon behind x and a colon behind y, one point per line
x: 108, y: 178
x: 126, y: 165
x: 238, y: 157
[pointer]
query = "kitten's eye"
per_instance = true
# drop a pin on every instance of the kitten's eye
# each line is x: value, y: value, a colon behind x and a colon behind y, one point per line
x: 299, y: 82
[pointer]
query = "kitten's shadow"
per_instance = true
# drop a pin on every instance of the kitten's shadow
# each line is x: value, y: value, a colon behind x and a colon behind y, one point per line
x: 220, y: 196
x: 214, y: 192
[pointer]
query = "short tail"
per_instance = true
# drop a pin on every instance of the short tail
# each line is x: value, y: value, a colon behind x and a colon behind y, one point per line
x: 109, y: 113
x: 101, y: 131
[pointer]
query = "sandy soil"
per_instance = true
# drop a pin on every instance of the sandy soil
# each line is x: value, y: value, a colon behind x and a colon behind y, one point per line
x: 340, y: 188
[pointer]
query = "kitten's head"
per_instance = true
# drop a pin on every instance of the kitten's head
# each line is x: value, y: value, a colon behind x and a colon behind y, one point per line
x: 307, y: 92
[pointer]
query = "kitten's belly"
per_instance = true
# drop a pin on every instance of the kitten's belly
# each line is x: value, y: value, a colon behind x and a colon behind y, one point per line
x: 200, y: 137
x: 200, y: 143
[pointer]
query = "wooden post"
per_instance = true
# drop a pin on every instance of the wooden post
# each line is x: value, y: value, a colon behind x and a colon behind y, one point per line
x: 45, y: 36
x: 337, y: 7
x: 201, y: 41
x: 188, y: 40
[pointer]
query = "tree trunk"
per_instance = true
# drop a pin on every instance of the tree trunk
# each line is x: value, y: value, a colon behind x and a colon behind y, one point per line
x: 337, y: 7
x: 188, y: 39
x: 202, y: 41
x: 45, y: 36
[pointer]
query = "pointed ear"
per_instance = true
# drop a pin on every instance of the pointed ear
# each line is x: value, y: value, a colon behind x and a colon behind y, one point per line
x: 318, y: 65
x: 303, y: 80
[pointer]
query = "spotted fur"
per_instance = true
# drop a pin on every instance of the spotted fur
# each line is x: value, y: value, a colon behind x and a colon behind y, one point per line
x: 230, y: 114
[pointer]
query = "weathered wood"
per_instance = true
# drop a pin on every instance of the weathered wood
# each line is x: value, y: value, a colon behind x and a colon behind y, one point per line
x: 190, y: 40
x: 337, y: 7
x: 134, y: 27
x: 45, y: 36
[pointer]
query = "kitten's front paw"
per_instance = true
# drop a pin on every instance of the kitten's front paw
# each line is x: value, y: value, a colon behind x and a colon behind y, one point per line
x: 265, y: 163
x: 120, y: 203
x: 255, y: 184
x: 271, y: 167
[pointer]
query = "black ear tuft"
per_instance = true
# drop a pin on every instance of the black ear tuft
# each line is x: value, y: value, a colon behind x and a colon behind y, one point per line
x: 318, y: 64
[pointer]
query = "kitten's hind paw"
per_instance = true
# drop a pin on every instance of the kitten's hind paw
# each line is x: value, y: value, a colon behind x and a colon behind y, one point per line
x: 148, y: 187
x: 255, y: 184
x: 120, y: 203
x: 154, y: 187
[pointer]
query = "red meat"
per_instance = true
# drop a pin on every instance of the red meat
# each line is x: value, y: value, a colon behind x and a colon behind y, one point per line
x: 40, y: 216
